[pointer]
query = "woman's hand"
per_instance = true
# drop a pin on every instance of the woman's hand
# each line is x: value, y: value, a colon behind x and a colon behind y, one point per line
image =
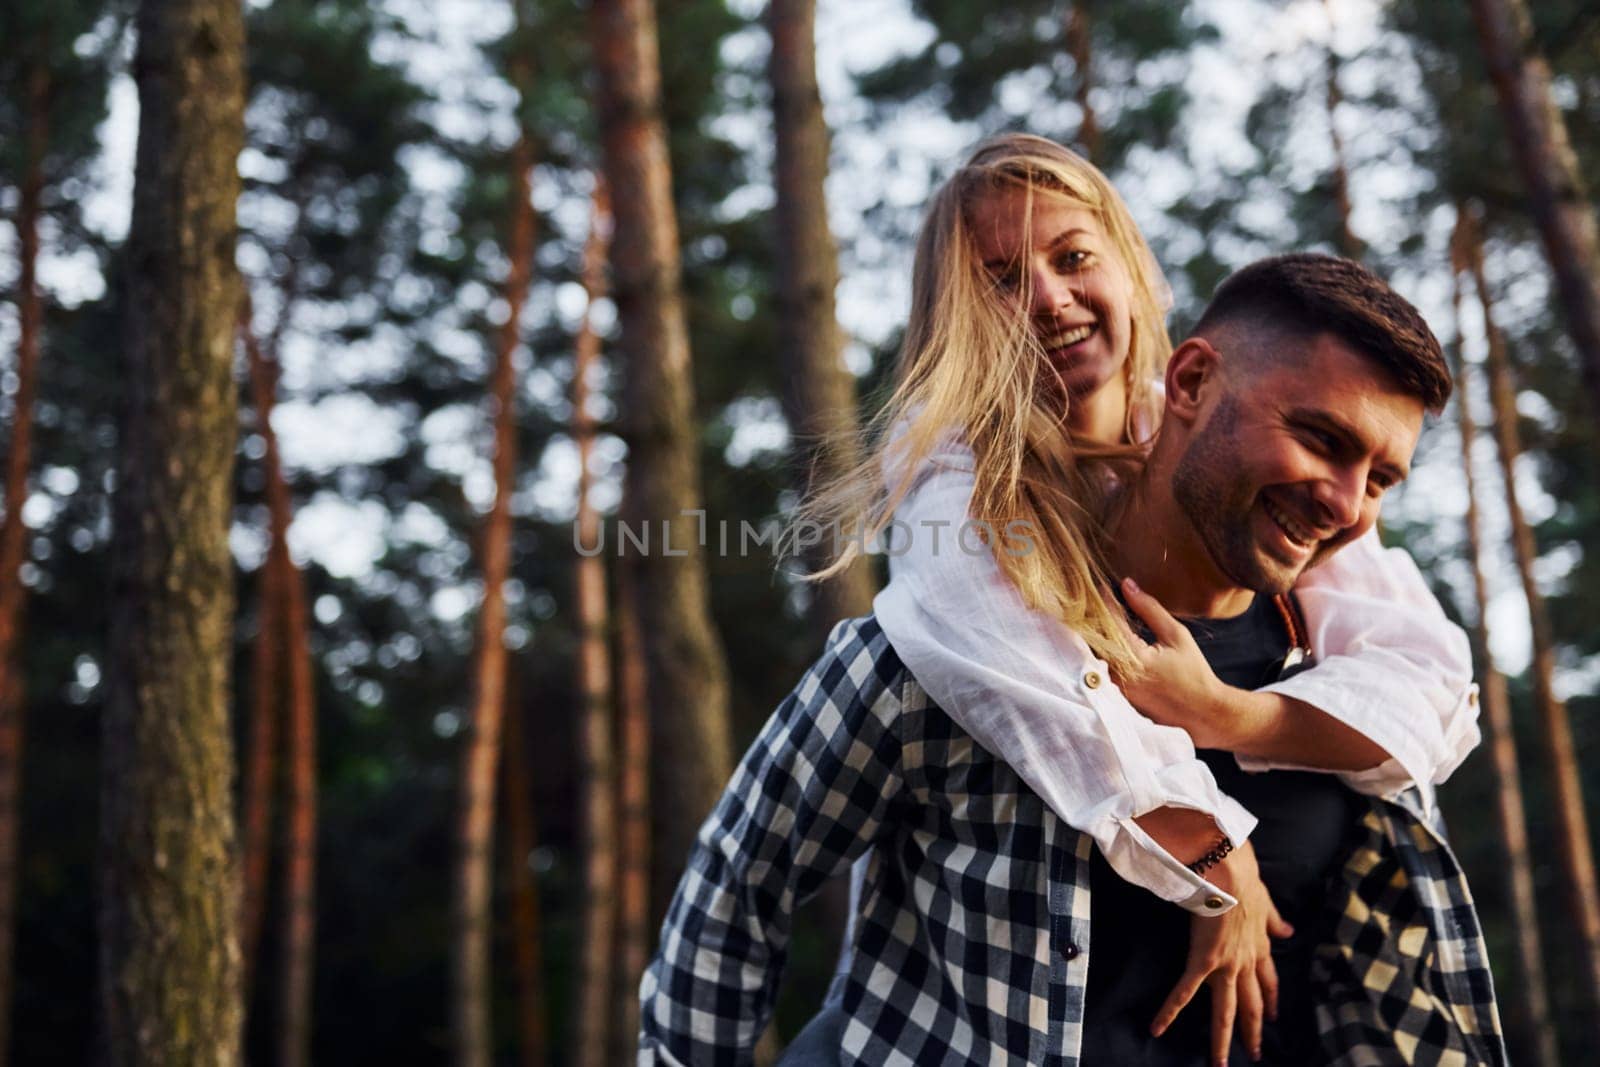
x: 1232, y: 954
x: 1177, y: 686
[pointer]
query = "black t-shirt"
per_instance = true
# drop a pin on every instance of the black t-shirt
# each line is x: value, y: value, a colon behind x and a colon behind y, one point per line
x: 1139, y: 943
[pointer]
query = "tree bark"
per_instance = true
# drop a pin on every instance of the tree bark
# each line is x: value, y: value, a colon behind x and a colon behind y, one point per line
x: 598, y: 761
x: 1577, y: 858
x: 1531, y: 999
x: 1556, y: 195
x: 633, y: 775
x: 1083, y: 78
x: 13, y: 532
x: 480, y: 753
x: 521, y: 839
x: 687, y: 671
x: 298, y: 942
x: 169, y: 880
x: 819, y: 396
x: 1350, y: 245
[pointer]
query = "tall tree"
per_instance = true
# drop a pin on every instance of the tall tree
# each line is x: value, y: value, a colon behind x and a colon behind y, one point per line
x: 690, y: 746
x: 13, y: 532
x: 480, y: 754
x: 1557, y: 199
x: 1530, y: 996
x: 1577, y: 857
x: 284, y: 606
x: 819, y: 393
x: 526, y: 922
x: 633, y: 805
x: 1349, y: 244
x: 53, y: 73
x: 598, y: 764
x: 1080, y: 47
x: 169, y: 954
x: 260, y: 764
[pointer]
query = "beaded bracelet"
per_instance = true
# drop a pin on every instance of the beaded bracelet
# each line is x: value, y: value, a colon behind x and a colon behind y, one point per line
x: 1214, y: 856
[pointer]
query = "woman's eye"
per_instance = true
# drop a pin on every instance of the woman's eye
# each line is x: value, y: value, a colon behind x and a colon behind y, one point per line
x: 1007, y: 281
x: 1074, y: 259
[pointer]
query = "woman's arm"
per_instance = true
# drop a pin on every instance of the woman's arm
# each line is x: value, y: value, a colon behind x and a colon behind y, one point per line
x: 1390, y: 665
x: 1029, y: 691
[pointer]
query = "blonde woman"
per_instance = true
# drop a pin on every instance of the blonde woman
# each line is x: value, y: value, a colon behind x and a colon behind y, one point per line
x: 1024, y: 398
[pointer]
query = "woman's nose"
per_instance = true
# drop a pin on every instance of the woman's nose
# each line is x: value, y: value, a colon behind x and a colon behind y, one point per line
x: 1050, y: 293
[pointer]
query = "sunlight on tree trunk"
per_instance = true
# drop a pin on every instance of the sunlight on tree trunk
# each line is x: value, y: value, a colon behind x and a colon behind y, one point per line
x: 1577, y: 858
x: 598, y: 759
x: 1530, y: 997
x: 481, y: 748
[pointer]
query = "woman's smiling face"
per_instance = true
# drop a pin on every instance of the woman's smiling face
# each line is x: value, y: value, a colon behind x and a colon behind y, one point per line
x: 1058, y: 259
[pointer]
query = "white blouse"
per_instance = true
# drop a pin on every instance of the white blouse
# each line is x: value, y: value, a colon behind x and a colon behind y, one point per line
x: 1389, y: 665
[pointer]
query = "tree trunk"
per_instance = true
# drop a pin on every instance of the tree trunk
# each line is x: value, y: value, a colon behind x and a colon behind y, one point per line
x: 1531, y: 999
x: 521, y: 838
x: 169, y: 904
x: 598, y: 762
x: 14, y: 533
x: 820, y: 395
x: 261, y: 759
x: 480, y: 753
x: 633, y: 774
x: 298, y: 941
x: 1083, y: 77
x: 1556, y: 196
x: 687, y: 672
x: 1350, y: 245
x: 1577, y: 859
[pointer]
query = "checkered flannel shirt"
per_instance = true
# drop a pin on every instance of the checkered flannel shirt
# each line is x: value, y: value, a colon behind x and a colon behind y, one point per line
x: 971, y: 938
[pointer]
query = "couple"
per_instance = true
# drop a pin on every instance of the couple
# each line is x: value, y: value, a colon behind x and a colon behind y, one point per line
x: 1012, y: 735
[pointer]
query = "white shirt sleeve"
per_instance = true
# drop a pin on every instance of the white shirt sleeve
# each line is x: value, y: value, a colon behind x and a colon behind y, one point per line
x: 1390, y: 665
x: 1030, y: 691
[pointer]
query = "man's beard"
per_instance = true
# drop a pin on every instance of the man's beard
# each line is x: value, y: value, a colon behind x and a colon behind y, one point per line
x: 1209, y: 486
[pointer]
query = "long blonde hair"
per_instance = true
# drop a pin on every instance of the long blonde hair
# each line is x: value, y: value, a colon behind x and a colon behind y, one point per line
x: 971, y: 362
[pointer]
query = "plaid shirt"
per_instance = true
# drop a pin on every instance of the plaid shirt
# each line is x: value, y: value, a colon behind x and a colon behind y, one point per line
x: 971, y: 939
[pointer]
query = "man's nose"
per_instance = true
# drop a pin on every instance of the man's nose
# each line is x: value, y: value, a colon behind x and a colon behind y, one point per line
x: 1341, y: 496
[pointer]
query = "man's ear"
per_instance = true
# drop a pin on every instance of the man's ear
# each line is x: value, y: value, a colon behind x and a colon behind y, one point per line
x: 1191, y: 374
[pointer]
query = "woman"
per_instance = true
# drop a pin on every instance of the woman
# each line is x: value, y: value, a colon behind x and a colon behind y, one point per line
x: 1023, y: 392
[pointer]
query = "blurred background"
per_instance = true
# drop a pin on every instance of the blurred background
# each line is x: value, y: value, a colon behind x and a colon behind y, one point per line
x: 417, y: 670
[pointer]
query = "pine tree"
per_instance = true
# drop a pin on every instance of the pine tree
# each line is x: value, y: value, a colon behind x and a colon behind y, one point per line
x: 819, y: 394
x: 1577, y: 857
x: 1530, y: 998
x: 169, y: 975
x: 690, y: 744
x: 1543, y: 153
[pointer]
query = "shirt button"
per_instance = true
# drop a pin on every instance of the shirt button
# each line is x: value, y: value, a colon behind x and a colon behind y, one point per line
x: 1214, y: 903
x: 1092, y: 680
x: 1070, y: 952
x: 1472, y: 698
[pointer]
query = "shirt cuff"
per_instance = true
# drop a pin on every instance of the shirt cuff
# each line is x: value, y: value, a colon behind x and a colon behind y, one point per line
x: 1138, y: 858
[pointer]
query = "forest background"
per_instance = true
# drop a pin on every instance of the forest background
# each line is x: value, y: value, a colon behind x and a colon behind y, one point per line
x: 464, y: 758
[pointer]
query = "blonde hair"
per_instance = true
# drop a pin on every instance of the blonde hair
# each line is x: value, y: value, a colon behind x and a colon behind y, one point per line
x: 971, y: 362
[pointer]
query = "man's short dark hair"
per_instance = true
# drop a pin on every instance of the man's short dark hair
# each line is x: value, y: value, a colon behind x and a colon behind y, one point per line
x: 1306, y: 293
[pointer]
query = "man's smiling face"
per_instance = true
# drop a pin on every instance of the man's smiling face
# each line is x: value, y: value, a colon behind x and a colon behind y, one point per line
x: 1292, y: 458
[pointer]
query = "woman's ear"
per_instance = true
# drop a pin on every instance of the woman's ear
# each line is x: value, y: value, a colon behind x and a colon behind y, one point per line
x: 1193, y: 368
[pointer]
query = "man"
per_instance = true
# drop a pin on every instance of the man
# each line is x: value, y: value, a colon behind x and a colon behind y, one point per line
x: 1296, y: 403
